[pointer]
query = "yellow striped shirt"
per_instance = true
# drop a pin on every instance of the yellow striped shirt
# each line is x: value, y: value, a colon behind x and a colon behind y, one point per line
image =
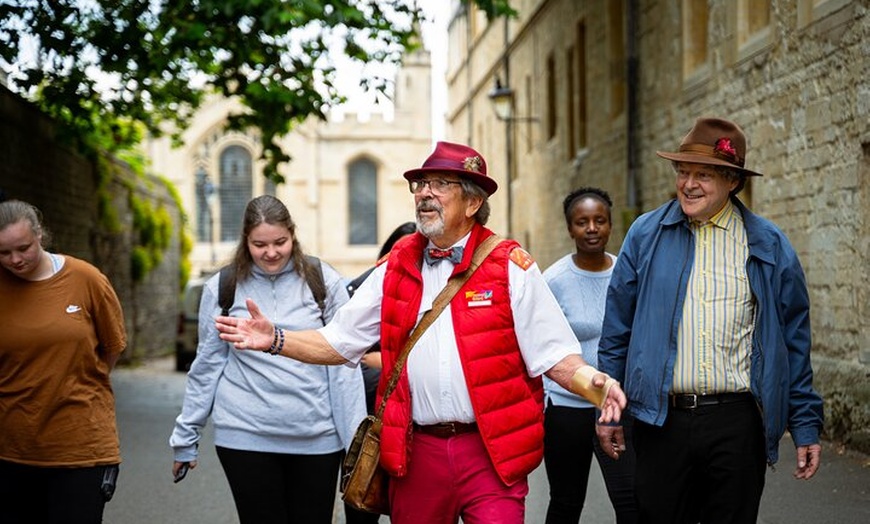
x: 714, y: 339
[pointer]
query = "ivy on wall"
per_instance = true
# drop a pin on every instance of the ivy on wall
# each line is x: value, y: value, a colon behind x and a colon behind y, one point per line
x: 185, y: 238
x: 152, y: 227
x: 152, y: 224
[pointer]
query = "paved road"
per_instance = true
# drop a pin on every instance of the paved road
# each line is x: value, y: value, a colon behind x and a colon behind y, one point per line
x: 149, y: 397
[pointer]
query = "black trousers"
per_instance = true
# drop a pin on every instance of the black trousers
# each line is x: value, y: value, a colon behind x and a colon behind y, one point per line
x: 569, y: 443
x: 704, y: 465
x: 276, y: 488
x: 31, y: 494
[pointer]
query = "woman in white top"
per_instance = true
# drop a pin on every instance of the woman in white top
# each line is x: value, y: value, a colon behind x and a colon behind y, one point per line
x: 579, y: 281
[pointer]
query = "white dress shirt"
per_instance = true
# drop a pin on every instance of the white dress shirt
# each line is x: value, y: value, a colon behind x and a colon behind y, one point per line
x: 438, y: 389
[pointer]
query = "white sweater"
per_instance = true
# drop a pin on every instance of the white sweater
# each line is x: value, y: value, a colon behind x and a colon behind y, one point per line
x: 582, y: 296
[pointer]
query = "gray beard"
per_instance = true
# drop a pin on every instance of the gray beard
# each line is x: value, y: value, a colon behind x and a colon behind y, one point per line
x: 434, y: 228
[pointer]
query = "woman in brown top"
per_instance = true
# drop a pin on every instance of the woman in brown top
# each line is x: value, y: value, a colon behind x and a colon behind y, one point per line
x: 63, y: 330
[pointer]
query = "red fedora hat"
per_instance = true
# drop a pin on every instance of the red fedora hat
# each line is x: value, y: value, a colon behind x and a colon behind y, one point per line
x: 458, y: 159
x: 713, y: 141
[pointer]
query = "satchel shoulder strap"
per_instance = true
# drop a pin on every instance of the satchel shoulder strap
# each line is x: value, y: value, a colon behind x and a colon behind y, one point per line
x: 456, y: 281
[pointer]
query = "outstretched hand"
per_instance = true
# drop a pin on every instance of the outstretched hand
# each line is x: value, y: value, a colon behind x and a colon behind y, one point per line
x: 256, y: 332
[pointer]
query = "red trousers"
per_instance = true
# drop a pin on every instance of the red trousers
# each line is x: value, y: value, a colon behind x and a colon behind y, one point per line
x: 449, y: 478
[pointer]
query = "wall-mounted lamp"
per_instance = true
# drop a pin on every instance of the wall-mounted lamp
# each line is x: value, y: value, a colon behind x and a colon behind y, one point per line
x: 502, y: 98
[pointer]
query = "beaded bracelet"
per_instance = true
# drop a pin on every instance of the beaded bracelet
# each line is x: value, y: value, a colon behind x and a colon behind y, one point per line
x: 274, y: 340
x: 277, y: 343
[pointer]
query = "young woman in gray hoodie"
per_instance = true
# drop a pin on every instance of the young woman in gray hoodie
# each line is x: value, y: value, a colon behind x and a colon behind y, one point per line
x: 280, y: 426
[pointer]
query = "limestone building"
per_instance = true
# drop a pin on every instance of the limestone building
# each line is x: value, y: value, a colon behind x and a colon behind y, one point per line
x: 344, y: 186
x: 598, y: 86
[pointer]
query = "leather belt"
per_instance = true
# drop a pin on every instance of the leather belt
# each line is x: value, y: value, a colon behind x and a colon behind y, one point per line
x: 692, y: 401
x: 447, y: 429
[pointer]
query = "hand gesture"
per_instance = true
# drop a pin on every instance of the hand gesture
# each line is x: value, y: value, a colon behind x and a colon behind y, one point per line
x: 256, y: 332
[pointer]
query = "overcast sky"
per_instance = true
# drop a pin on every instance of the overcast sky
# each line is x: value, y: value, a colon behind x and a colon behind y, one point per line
x: 435, y: 41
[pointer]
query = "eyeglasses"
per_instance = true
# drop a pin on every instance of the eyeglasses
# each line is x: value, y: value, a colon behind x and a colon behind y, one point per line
x: 438, y: 186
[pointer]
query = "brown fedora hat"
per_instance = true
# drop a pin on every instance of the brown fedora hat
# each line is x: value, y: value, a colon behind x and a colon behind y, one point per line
x: 713, y: 141
x: 457, y: 159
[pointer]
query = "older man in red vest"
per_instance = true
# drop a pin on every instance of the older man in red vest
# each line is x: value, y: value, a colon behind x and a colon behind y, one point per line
x: 464, y: 426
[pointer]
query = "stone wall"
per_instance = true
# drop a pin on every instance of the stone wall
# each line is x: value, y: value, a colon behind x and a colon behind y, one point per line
x: 800, y: 88
x: 38, y: 169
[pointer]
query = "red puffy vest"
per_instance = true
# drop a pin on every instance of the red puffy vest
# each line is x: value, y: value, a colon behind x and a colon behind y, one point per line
x: 508, y: 404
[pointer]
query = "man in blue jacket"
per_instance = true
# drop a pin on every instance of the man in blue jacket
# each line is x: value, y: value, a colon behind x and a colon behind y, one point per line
x: 707, y: 326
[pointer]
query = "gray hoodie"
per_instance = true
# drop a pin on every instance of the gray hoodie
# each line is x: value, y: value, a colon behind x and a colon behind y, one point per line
x: 261, y: 402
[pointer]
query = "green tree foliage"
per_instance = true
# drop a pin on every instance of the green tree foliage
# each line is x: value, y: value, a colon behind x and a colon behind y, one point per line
x: 159, y: 59
x: 494, y: 8
x: 105, y: 68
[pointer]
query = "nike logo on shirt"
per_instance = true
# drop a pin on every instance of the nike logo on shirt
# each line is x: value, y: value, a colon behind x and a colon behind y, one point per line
x: 73, y: 309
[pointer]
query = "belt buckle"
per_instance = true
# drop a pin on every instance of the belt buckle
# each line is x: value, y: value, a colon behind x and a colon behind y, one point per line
x: 450, y: 428
x: 689, y: 400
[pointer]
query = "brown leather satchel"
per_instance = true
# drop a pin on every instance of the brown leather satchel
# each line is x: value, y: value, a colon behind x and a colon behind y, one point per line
x: 364, y: 484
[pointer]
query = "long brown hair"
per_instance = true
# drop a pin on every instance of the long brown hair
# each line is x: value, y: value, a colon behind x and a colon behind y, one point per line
x: 268, y: 209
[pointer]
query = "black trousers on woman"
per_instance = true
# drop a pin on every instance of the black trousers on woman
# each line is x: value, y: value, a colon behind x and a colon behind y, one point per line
x: 31, y: 494
x: 569, y: 443
x: 276, y: 488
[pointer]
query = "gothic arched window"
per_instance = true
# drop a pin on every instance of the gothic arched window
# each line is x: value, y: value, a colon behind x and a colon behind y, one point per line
x: 362, y: 186
x: 235, y: 190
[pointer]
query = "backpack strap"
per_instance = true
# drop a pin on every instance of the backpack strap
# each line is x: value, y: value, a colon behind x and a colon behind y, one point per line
x: 314, y: 277
x: 226, y: 289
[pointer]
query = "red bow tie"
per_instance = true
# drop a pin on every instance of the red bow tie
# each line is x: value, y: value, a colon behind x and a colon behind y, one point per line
x: 434, y: 255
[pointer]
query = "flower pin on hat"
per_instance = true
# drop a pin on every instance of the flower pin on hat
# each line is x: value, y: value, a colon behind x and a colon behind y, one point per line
x: 713, y: 141
x: 457, y: 159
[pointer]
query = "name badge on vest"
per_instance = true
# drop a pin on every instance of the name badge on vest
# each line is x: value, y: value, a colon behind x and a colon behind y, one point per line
x: 479, y: 298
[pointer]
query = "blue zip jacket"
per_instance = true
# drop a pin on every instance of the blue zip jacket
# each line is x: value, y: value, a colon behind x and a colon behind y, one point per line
x: 638, y: 343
